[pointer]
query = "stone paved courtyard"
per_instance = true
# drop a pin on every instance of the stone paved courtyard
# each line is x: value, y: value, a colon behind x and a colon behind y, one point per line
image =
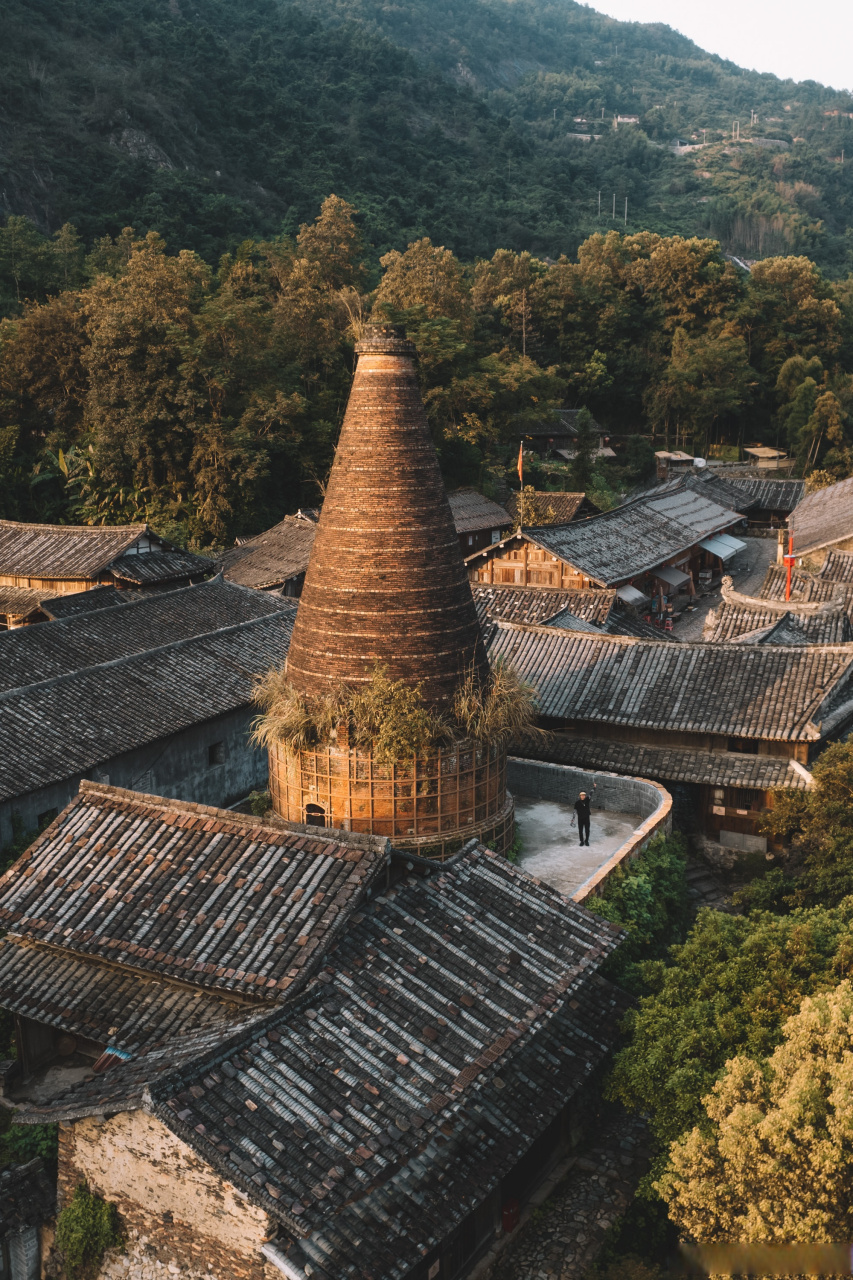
x: 561, y: 1239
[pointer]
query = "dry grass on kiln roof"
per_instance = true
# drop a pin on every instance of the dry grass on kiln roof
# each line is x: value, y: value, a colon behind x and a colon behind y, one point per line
x: 389, y: 718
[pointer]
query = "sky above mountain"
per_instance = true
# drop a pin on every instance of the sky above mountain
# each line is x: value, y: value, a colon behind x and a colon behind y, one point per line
x: 789, y: 40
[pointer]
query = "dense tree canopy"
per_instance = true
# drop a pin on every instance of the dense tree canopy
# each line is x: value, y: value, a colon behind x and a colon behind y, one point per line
x: 729, y: 988
x: 140, y: 382
x: 774, y: 1159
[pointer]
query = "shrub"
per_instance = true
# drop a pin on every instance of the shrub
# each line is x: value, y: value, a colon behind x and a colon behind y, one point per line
x: 648, y: 897
x: 85, y: 1229
x: 389, y: 716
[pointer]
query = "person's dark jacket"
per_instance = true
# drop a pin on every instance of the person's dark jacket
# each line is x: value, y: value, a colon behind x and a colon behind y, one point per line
x: 582, y: 809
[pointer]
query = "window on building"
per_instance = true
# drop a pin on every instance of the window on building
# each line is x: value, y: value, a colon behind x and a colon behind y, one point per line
x: 470, y: 539
x: 496, y: 535
x: 46, y: 817
x: 315, y: 815
x: 744, y: 798
x: 216, y: 753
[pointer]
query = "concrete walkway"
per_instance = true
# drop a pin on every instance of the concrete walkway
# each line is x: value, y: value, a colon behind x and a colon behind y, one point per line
x: 551, y: 851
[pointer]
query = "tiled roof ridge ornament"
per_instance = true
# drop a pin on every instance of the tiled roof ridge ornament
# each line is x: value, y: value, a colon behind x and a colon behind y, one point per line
x: 799, y: 608
x: 386, y: 584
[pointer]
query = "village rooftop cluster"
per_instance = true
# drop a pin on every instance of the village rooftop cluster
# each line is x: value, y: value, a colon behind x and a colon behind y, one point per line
x: 291, y: 1005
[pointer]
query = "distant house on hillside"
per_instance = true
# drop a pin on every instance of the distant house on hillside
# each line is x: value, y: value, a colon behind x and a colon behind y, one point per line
x: 558, y: 435
x: 769, y: 459
x: 38, y: 561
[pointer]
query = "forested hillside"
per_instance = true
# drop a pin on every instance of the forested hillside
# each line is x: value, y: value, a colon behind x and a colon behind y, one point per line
x: 140, y: 383
x: 209, y: 122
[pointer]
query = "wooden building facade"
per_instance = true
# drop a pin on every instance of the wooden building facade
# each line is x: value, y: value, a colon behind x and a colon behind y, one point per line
x: 733, y: 721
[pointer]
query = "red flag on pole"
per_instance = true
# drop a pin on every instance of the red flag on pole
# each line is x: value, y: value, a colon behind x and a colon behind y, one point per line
x: 521, y: 463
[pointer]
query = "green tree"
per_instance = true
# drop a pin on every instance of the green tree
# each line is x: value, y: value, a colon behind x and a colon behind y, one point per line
x: 728, y: 989
x: 773, y: 1160
x: 707, y: 381
x: 585, y: 448
x: 648, y: 897
x: 818, y: 826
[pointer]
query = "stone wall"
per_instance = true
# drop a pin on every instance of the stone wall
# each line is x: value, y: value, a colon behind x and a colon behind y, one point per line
x: 177, y: 1210
x: 536, y: 780
x: 178, y: 767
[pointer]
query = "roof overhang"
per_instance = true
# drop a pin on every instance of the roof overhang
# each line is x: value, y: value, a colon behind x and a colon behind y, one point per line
x: 673, y: 576
x: 723, y: 545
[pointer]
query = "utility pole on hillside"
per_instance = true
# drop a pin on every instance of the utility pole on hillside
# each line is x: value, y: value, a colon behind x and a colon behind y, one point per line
x: 626, y: 211
x: 614, y: 206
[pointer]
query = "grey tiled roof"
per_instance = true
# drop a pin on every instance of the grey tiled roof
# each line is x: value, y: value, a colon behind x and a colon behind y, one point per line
x: 770, y: 495
x: 754, y: 691
x: 111, y: 1005
x: 67, y: 725
x: 706, y: 483
x: 472, y: 511
x: 160, y: 566
x: 20, y: 602
x: 767, y: 626
x: 837, y: 567
x: 269, y: 559
x: 62, y: 551
x: 84, y: 601
x: 455, y: 1020
x: 599, y: 610
x: 635, y: 538
x: 215, y: 899
x: 665, y: 764
x: 85, y: 551
x: 565, y: 620
x: 565, y: 506
x: 27, y: 1197
x: 29, y: 655
x: 806, y: 588
x: 823, y: 517
x: 537, y: 604
x: 793, y: 629
x: 452, y: 1022
x: 625, y: 621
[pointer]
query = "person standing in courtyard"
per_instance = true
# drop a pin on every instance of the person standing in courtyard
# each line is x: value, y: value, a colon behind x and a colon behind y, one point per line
x: 582, y: 810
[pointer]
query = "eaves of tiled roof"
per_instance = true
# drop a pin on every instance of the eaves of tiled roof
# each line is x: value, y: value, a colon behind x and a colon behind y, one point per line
x: 753, y: 691
x: 62, y: 551
x: 666, y: 764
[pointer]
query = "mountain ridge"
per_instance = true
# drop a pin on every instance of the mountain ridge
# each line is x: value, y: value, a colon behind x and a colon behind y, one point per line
x: 458, y: 120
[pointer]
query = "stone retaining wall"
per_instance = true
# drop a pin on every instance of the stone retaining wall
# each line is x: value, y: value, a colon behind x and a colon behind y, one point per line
x: 537, y: 780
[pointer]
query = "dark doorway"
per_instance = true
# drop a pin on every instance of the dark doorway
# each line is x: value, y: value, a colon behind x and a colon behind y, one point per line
x: 315, y: 816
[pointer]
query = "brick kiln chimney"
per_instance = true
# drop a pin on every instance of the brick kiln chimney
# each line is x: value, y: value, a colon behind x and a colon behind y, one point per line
x: 386, y: 581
